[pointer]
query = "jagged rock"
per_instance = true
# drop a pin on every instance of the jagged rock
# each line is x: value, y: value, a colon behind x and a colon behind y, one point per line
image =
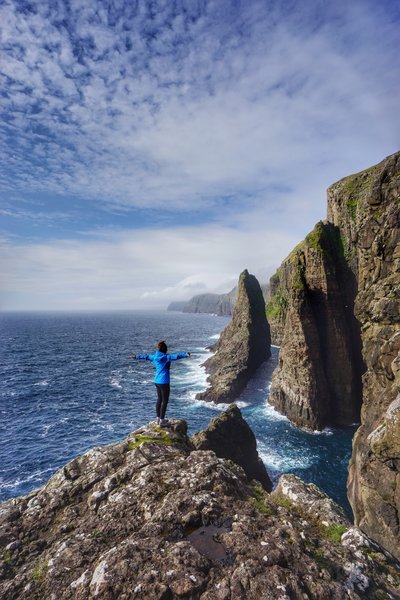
x: 315, y: 503
x: 366, y: 209
x: 243, y: 346
x: 229, y: 436
x: 150, y: 517
x: 318, y: 380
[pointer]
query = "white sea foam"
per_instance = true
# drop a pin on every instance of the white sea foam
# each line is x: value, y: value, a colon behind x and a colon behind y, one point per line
x: 284, y: 464
x: 216, y: 336
x: 272, y: 413
x: 107, y: 426
x: 210, y: 405
x: 42, y: 383
x: 115, y: 380
x: 116, y: 383
x: 45, y: 430
x: 326, y: 431
x: 283, y: 460
x: 38, y: 476
x: 242, y: 404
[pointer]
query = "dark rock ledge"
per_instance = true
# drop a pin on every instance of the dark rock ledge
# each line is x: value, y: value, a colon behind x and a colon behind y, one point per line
x: 152, y: 518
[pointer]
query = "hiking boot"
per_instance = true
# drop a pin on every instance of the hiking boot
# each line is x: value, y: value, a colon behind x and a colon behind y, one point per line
x: 164, y: 422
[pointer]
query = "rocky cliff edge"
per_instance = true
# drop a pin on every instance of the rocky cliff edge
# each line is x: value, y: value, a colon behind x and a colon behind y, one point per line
x: 150, y: 517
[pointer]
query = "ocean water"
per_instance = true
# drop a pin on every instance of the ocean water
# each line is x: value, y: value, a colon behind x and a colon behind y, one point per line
x: 67, y: 385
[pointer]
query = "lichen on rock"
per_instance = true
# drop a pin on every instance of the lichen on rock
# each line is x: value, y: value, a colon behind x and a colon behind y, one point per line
x: 176, y: 522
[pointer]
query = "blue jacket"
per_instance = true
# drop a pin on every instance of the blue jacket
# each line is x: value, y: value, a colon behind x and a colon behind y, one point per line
x: 162, y: 363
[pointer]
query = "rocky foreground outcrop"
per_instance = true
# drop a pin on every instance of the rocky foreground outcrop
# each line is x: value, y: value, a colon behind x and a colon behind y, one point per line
x: 336, y: 306
x: 152, y: 518
x: 243, y: 346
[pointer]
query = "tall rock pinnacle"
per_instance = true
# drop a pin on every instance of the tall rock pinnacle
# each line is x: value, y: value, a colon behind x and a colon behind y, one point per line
x: 243, y: 346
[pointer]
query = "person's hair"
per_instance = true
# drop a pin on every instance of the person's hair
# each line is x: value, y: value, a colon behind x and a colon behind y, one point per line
x: 162, y: 346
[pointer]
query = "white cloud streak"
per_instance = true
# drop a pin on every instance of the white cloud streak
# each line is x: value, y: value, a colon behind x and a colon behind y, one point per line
x: 238, y: 114
x: 147, y: 269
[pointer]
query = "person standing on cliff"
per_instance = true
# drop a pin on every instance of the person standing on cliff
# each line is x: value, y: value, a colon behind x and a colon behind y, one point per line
x: 162, y: 362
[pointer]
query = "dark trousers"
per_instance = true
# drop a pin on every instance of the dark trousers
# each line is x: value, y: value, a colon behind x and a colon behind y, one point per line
x: 162, y: 399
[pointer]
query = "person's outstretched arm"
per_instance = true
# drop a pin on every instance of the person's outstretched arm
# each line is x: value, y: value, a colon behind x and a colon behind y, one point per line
x: 178, y: 355
x: 141, y: 356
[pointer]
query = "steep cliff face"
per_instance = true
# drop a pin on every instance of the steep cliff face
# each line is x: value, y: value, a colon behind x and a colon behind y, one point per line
x: 318, y: 380
x: 366, y: 209
x: 243, y: 346
x: 152, y: 518
x: 335, y: 302
x: 215, y: 304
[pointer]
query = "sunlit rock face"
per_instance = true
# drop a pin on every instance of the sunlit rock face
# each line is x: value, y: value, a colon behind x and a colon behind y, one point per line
x: 366, y: 209
x: 318, y: 380
x: 335, y: 307
x: 151, y: 517
x: 243, y: 346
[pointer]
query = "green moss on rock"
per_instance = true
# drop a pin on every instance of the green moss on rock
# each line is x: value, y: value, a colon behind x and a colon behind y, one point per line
x: 356, y: 187
x: 333, y: 532
x: 277, y: 307
x: 259, y: 499
x: 140, y: 439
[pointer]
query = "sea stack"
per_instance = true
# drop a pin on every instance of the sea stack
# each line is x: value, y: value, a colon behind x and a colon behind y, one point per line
x: 243, y: 346
x: 318, y: 380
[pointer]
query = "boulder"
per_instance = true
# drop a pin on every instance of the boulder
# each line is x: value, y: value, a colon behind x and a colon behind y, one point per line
x: 229, y: 436
x: 315, y: 503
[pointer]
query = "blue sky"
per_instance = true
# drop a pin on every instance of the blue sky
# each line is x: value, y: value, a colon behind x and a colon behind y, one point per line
x: 153, y: 150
